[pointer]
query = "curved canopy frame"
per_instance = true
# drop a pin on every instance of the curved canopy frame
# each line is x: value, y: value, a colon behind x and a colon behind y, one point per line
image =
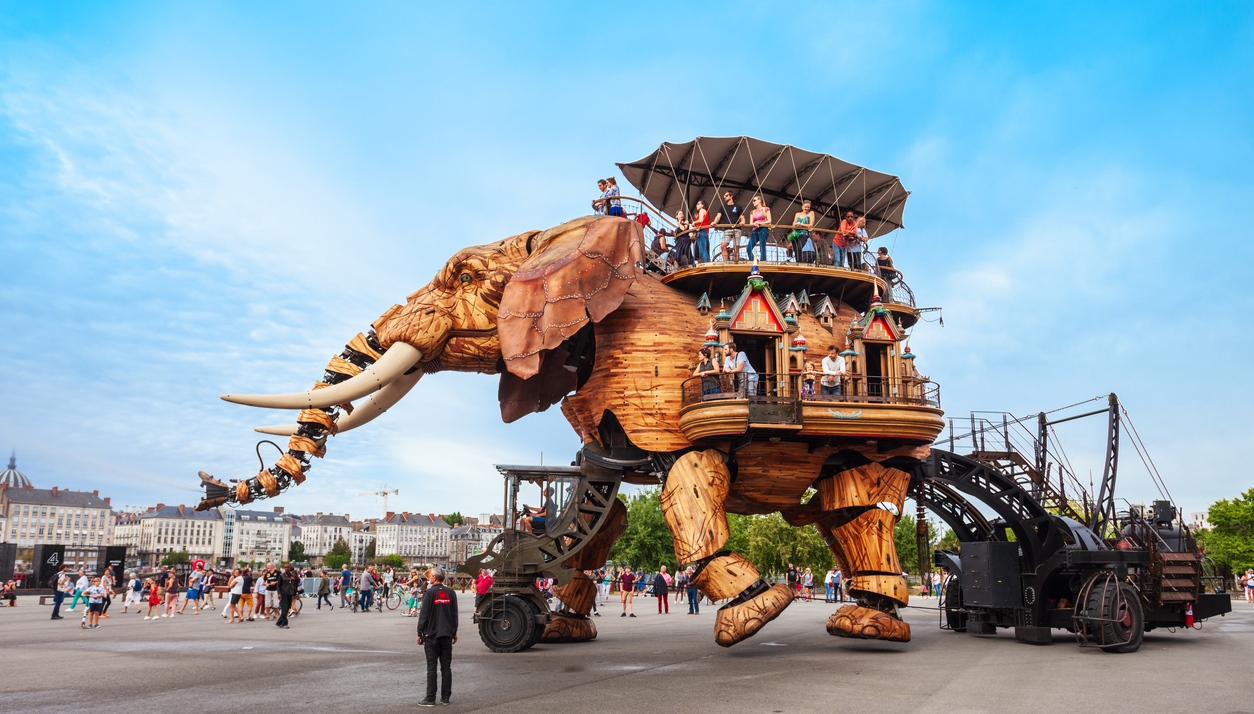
x: 676, y: 176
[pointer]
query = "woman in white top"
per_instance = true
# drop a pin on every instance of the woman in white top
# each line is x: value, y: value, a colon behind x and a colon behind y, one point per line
x: 236, y: 587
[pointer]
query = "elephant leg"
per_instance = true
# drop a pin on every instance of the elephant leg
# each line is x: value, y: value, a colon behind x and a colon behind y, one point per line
x: 693, y: 503
x: 570, y: 622
x: 869, y: 499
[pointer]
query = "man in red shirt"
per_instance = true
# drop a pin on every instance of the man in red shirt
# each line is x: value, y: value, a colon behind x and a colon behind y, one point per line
x: 483, y: 583
x: 626, y: 590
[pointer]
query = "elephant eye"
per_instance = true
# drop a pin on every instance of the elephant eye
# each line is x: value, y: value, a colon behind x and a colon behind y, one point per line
x: 465, y: 277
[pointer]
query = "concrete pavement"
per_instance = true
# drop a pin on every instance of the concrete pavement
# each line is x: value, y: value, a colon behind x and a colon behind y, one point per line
x: 346, y: 662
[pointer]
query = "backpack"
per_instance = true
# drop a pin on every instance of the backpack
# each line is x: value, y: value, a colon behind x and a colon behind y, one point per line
x: 54, y: 581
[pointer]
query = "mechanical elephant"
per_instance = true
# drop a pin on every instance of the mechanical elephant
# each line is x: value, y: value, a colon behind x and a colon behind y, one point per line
x: 569, y: 315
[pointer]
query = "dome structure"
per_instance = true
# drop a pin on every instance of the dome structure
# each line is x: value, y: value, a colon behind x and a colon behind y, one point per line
x: 11, y: 477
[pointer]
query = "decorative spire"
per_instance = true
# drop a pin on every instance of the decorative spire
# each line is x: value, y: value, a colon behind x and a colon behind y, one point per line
x: 13, y: 459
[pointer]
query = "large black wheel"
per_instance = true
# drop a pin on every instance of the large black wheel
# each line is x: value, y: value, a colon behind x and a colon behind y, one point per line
x: 955, y: 617
x: 509, y: 624
x: 1122, y: 622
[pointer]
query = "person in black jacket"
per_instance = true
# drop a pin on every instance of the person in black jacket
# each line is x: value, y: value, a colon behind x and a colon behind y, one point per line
x: 437, y: 633
x: 660, y: 583
x: 289, y: 585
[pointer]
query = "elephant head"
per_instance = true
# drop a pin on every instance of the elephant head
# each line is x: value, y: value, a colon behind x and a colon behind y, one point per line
x: 509, y: 307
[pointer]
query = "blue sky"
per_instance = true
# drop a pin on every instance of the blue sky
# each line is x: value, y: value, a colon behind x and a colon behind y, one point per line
x: 197, y: 199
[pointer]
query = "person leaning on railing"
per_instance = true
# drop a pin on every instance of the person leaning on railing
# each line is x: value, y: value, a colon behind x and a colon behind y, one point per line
x: 737, y: 363
x: 707, y: 369
x: 885, y: 264
x: 760, y: 219
x: 800, y: 237
x: 701, y: 222
x: 833, y: 372
x: 728, y: 214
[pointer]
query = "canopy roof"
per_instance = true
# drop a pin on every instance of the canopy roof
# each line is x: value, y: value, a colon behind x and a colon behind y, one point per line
x: 678, y: 175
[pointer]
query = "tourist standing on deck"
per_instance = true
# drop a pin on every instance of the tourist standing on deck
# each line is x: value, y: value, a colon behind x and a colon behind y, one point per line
x: 729, y: 215
x: 737, y: 363
x: 887, y: 271
x: 701, y: 221
x: 707, y: 370
x: 800, y: 236
x: 854, y: 246
x: 833, y: 372
x: 661, y: 583
x: 759, y: 218
x: 601, y: 205
x: 612, y: 193
x: 845, y: 236
x: 437, y: 633
x: 483, y: 584
x: 683, y: 240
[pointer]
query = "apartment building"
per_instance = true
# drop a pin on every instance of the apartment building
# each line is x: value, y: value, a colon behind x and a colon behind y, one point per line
x: 259, y: 536
x: 170, y: 529
x: 415, y: 537
x: 319, y: 533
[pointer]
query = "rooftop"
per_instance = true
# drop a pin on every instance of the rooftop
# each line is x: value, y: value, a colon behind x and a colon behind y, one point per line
x: 181, y: 511
x: 56, y: 497
x: 416, y: 519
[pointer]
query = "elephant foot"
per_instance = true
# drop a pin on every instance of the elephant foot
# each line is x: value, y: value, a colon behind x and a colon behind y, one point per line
x: 569, y: 628
x: 738, y: 621
x: 867, y: 624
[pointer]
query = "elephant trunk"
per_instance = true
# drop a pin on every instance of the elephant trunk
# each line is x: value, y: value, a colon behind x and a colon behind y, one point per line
x: 318, y: 419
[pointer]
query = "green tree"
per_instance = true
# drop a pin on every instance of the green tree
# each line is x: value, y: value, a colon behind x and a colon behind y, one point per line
x: 771, y: 544
x: 392, y: 559
x: 176, y: 557
x: 339, y: 555
x: 949, y: 541
x: 1230, y: 539
x: 370, y: 550
x: 454, y: 518
x: 647, y: 541
x: 904, y: 535
x: 296, y: 552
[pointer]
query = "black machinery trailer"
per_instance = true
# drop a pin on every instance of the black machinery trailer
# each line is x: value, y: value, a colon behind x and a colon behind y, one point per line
x: 1049, y: 560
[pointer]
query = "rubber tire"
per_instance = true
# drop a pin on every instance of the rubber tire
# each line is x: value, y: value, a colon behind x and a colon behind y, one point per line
x: 515, y: 630
x: 1134, y: 614
x: 956, y: 620
x: 393, y: 600
x: 535, y: 639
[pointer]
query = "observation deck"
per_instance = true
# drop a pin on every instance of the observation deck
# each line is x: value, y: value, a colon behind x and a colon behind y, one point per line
x: 878, y: 408
x: 851, y: 287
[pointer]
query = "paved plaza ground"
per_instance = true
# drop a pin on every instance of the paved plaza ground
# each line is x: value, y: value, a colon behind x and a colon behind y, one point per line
x: 345, y: 662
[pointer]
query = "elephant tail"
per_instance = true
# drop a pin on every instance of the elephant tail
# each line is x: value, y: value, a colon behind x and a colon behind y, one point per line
x: 307, y: 438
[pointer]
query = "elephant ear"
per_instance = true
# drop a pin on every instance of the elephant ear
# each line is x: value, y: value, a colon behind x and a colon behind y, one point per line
x: 578, y: 271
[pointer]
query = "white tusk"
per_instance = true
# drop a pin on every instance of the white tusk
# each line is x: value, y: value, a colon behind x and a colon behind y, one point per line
x: 365, y: 413
x: 398, y: 359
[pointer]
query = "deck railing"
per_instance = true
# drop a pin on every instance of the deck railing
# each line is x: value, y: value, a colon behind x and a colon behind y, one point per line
x: 772, y: 389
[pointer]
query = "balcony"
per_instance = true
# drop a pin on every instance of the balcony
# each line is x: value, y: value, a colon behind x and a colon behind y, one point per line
x: 869, y: 408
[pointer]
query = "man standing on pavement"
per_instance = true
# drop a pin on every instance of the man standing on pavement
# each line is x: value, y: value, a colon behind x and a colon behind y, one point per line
x: 271, y: 576
x: 366, y: 586
x: 694, y: 596
x: 437, y: 633
x: 346, y: 582
x: 288, y: 586
x: 63, y: 585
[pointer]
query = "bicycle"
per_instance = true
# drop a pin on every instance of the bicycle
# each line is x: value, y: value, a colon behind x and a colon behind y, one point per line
x: 397, y: 595
x: 296, y: 605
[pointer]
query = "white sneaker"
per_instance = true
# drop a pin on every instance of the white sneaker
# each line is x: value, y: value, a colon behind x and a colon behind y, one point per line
x: 147, y: 617
x: 164, y: 615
